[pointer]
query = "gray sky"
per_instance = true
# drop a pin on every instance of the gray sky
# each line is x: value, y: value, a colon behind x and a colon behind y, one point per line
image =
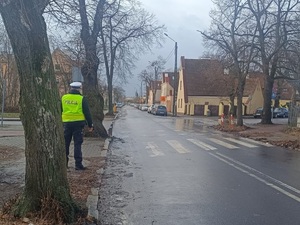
x: 182, y: 19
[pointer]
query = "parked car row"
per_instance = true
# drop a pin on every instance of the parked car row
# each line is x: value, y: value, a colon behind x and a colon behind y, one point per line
x: 277, y: 112
x: 153, y: 109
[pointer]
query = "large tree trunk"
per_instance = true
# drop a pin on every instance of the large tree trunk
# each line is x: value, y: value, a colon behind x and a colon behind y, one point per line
x: 46, y: 174
x: 91, y: 64
x: 240, y: 91
x: 267, y: 113
x: 91, y: 90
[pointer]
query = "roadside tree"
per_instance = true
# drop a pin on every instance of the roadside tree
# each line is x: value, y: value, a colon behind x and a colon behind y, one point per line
x: 229, y: 35
x: 127, y: 30
x: 151, y: 73
x: 274, y: 25
x: 46, y: 174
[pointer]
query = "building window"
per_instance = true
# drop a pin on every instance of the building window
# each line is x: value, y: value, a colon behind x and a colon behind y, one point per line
x: 181, y: 85
x: 171, y: 93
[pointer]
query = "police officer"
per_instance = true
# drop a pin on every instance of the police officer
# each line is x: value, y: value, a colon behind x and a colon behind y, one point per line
x: 75, y: 115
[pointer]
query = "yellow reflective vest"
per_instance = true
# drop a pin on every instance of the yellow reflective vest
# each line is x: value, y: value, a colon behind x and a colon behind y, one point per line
x: 72, y: 108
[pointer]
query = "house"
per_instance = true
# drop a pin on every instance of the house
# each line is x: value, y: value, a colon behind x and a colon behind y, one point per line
x: 204, y: 88
x: 252, y: 96
x: 283, y: 91
x: 154, y: 92
x: 167, y: 90
x: 63, y: 65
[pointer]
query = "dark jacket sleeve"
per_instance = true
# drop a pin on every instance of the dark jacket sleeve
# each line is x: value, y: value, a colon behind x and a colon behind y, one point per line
x: 86, y: 112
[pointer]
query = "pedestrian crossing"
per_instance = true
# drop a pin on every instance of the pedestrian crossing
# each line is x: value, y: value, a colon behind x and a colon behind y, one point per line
x: 158, y: 148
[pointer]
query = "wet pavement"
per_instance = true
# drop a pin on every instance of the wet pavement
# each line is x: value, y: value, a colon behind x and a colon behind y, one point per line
x: 163, y: 170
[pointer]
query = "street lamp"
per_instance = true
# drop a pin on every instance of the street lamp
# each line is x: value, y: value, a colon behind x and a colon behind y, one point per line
x: 174, y: 111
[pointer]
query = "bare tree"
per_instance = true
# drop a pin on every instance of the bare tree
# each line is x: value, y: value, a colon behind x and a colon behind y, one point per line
x: 119, y: 94
x: 127, y: 29
x: 46, y: 173
x: 258, y: 33
x: 89, y: 35
x: 87, y: 17
x: 151, y: 73
x: 229, y: 32
x: 273, y: 20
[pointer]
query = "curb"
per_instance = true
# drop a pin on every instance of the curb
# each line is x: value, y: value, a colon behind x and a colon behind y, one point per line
x: 92, y: 200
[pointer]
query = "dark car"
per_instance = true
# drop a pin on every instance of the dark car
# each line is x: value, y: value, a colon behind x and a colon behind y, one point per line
x: 280, y: 112
x: 160, y: 110
x: 258, y: 113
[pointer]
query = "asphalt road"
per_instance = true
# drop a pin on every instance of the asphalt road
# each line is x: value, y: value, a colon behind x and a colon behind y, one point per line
x: 169, y: 171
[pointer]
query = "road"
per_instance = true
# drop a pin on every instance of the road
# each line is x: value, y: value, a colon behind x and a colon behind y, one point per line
x: 169, y: 171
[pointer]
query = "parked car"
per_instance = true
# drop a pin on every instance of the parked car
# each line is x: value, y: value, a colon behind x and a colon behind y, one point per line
x: 150, y: 108
x: 258, y: 113
x: 144, y: 107
x: 120, y: 104
x: 280, y: 112
x: 160, y: 110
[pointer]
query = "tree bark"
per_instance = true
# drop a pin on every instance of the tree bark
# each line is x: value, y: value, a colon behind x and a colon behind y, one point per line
x: 46, y: 174
x: 267, y: 113
x: 90, y: 66
x: 240, y: 91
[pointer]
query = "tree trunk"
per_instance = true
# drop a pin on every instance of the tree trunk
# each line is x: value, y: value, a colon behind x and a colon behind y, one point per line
x: 91, y: 90
x: 232, y: 109
x: 240, y: 91
x: 110, y: 91
x: 90, y: 66
x: 46, y: 174
x: 267, y: 113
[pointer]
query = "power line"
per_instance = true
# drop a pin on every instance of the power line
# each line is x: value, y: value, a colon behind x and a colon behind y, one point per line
x: 170, y: 55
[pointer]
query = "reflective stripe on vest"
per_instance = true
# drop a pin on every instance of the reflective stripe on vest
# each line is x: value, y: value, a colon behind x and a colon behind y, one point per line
x: 72, y: 108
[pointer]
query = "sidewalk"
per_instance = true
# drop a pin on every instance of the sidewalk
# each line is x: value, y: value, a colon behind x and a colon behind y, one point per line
x: 12, y: 161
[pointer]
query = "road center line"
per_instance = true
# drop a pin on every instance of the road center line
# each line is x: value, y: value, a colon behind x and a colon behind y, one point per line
x: 219, y: 156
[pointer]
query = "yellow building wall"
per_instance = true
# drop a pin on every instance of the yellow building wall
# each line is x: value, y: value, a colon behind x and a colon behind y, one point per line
x: 254, y: 101
x: 180, y: 95
x: 157, y: 97
x: 165, y: 91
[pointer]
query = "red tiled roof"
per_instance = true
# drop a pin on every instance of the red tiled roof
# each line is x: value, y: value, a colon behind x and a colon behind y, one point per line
x: 155, y: 84
x: 205, y: 77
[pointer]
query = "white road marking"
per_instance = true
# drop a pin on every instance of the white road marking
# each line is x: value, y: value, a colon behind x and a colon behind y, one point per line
x: 202, y: 145
x: 257, y: 142
x: 262, y: 180
x: 241, y: 143
x: 154, y: 149
x: 222, y: 143
x: 177, y: 146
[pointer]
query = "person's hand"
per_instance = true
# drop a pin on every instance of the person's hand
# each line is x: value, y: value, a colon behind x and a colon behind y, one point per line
x: 91, y: 129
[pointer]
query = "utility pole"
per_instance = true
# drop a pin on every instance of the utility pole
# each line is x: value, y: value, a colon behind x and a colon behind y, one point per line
x: 174, y: 108
x: 3, y: 99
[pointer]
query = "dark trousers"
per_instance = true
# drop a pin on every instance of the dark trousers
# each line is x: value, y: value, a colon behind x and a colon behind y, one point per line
x: 75, y: 132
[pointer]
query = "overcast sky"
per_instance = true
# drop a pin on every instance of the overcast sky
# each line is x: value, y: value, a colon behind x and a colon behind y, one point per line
x: 182, y: 19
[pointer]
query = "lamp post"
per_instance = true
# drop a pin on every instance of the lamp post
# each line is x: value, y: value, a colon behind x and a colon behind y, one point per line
x: 174, y: 110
